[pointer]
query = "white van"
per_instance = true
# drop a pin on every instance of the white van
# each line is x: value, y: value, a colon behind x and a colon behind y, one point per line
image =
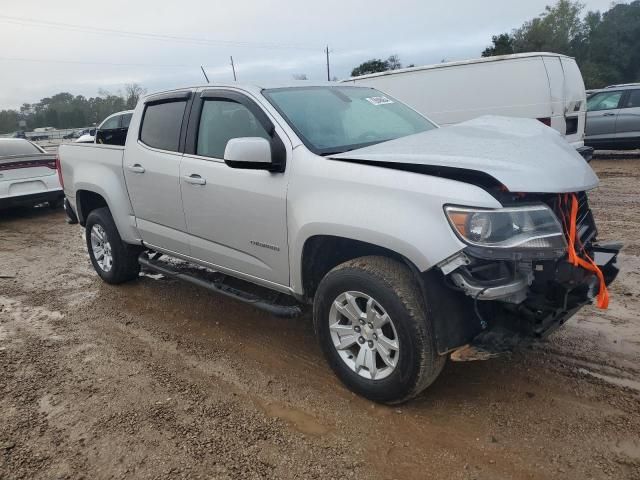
x: 546, y: 86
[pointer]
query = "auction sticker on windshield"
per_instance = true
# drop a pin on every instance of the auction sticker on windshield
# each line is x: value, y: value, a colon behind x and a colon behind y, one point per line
x: 378, y: 100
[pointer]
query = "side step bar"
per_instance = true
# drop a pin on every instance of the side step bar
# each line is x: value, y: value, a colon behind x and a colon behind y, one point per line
x: 286, y: 311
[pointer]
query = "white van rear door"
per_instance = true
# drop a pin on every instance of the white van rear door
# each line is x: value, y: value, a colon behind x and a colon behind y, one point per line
x: 575, y: 101
x: 555, y: 75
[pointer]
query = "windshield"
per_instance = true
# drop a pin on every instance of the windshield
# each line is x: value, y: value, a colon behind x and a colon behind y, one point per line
x: 333, y: 120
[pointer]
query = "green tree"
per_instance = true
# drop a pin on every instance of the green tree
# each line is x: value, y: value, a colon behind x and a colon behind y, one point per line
x: 370, y: 66
x: 502, y: 45
x: 606, y: 46
x: 393, y: 62
x: 614, y: 47
x: 377, y: 65
x: 8, y: 121
x: 557, y: 29
x: 64, y: 110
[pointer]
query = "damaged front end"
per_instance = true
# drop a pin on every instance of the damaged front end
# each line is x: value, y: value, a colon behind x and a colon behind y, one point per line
x: 515, y: 274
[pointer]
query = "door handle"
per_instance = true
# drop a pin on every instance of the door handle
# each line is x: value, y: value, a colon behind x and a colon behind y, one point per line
x: 136, y: 168
x: 195, y: 179
x: 609, y: 114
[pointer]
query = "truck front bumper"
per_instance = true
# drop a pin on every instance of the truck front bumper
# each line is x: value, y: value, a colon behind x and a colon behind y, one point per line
x: 559, y: 290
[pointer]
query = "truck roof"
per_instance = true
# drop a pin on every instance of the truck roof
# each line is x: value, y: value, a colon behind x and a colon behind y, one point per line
x: 251, y: 87
x: 471, y: 61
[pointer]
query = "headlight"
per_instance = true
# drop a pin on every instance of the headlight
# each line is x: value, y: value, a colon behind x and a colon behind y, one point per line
x: 530, y: 227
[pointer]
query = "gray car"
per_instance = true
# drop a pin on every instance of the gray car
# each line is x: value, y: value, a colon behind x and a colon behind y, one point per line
x: 613, y: 117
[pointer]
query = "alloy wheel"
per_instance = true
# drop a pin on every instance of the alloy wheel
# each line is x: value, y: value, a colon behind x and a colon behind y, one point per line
x: 101, y: 248
x: 364, y: 335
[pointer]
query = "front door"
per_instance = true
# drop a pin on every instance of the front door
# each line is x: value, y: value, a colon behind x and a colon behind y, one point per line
x: 236, y: 218
x: 603, y: 109
x: 152, y: 171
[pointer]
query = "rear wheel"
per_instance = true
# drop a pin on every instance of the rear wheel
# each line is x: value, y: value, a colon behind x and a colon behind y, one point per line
x: 370, y: 318
x: 113, y: 260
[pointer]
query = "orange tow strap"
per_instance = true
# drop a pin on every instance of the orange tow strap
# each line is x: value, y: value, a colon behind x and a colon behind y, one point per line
x: 588, y: 263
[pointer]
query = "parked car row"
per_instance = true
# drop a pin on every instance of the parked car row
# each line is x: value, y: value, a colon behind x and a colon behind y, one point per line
x: 28, y: 173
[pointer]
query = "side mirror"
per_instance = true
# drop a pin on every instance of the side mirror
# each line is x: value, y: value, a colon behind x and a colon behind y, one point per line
x: 248, y: 152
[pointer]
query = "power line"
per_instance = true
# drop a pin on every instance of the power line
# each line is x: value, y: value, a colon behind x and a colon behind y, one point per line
x: 147, y: 36
x: 78, y: 62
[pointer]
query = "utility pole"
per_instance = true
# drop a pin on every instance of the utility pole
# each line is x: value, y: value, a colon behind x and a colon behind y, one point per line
x: 204, y: 73
x: 328, y: 72
x: 233, y: 67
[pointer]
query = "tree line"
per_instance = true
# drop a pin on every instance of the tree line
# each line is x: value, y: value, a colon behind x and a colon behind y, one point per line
x: 606, y: 45
x: 65, y: 110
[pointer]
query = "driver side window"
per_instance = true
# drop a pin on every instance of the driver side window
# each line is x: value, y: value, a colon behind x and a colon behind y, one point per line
x: 222, y: 120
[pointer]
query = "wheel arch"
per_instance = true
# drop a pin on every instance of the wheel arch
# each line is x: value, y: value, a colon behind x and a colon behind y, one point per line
x: 88, y: 197
x: 450, y: 311
x: 86, y: 202
x: 321, y: 253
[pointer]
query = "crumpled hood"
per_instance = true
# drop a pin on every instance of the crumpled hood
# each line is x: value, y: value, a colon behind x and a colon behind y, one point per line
x: 521, y: 153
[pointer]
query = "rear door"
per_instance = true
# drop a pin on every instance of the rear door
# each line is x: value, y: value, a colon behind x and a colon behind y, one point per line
x: 555, y: 76
x: 628, y: 123
x: 602, y: 112
x: 152, y: 169
x: 575, y: 108
x: 236, y: 218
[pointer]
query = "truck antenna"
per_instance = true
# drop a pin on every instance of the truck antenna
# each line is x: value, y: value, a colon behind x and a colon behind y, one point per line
x: 328, y: 71
x: 204, y: 73
x: 233, y: 67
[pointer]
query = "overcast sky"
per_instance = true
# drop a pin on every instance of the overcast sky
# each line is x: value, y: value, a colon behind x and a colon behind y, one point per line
x: 42, y: 53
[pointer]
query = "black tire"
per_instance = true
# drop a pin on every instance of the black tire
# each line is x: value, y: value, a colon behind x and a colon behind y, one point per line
x: 394, y: 287
x: 125, y: 264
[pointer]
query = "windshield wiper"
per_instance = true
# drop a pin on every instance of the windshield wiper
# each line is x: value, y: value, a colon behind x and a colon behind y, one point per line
x: 342, y: 150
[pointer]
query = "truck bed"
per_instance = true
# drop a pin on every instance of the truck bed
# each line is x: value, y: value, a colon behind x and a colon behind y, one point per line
x: 90, y: 165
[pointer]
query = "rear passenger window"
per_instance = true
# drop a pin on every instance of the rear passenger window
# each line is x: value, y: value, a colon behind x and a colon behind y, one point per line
x: 604, y: 101
x: 161, y: 125
x: 222, y: 120
x: 634, y: 99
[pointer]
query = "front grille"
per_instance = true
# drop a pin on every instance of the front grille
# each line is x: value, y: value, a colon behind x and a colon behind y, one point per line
x: 586, y: 230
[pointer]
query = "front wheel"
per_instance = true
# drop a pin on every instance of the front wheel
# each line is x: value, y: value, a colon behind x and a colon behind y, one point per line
x: 370, y: 318
x: 113, y: 260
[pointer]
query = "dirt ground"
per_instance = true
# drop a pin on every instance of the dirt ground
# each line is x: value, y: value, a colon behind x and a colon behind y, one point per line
x: 159, y: 379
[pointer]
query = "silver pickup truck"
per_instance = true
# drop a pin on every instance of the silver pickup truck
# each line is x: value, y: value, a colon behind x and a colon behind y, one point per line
x: 412, y: 243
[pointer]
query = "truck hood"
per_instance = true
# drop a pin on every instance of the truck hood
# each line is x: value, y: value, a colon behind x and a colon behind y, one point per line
x: 522, y: 154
